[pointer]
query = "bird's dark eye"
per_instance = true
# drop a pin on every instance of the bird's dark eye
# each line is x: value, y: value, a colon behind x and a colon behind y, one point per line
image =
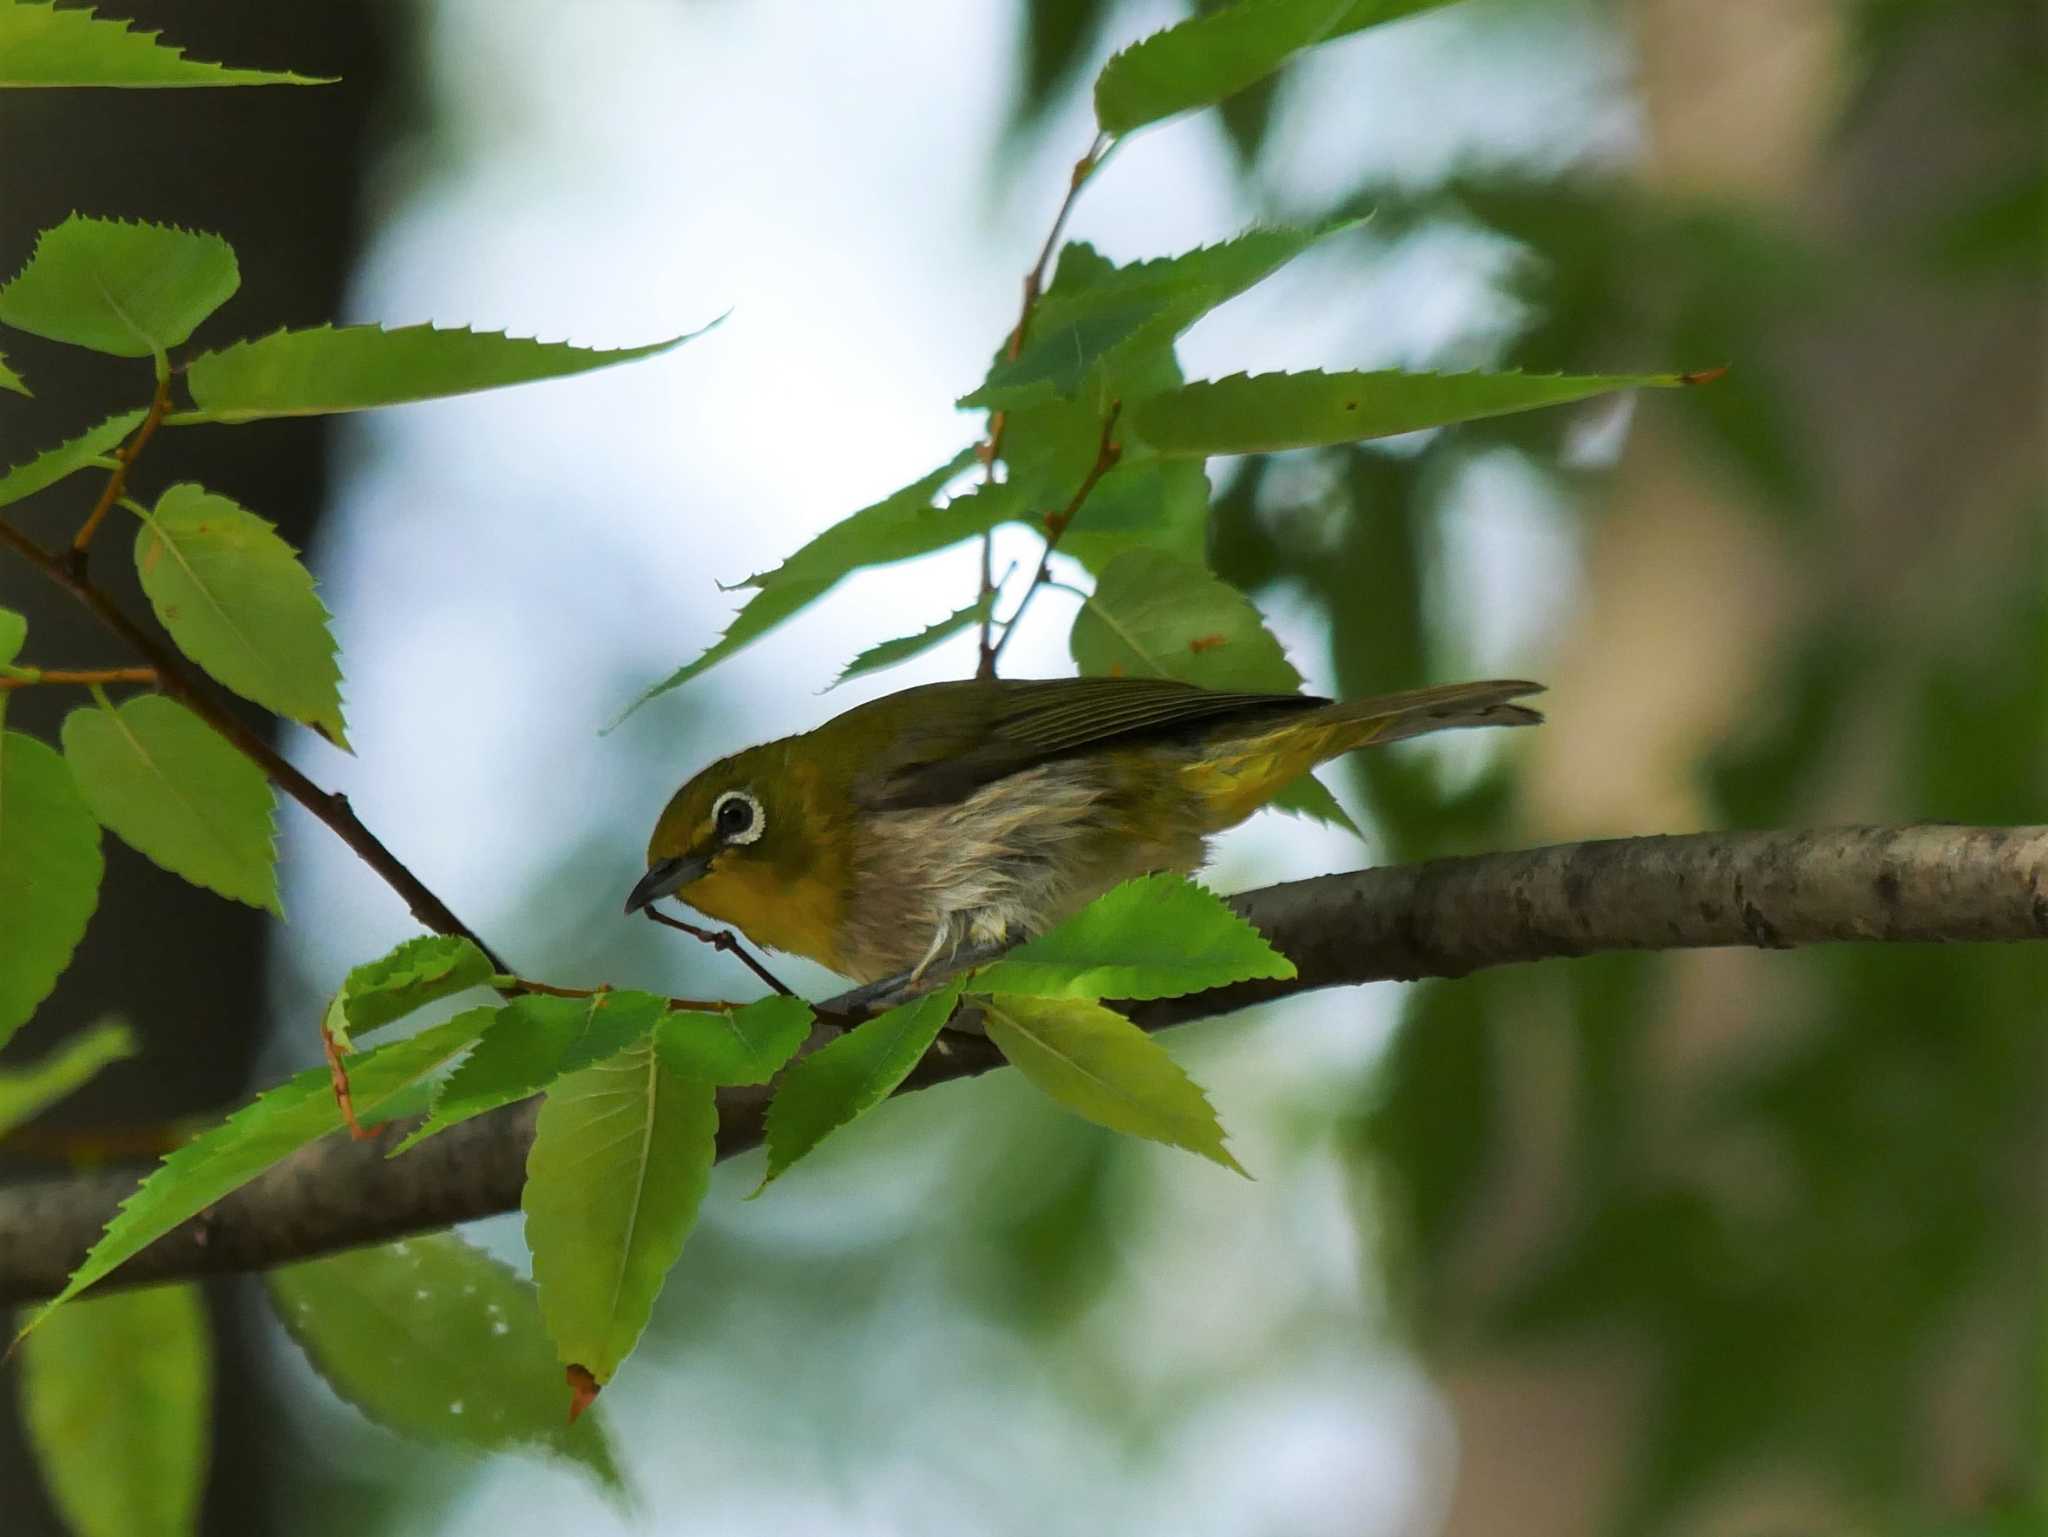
x: 737, y: 817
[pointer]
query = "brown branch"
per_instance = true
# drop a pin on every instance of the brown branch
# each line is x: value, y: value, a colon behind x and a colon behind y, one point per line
x: 124, y: 460
x: 84, y: 676
x: 1443, y: 919
x: 331, y: 809
x: 999, y: 421
x: 1108, y: 453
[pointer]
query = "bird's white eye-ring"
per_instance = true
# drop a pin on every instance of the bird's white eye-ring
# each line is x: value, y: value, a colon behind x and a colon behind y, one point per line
x: 736, y: 815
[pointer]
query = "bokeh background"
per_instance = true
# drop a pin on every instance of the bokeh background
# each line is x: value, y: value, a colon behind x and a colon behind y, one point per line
x: 1715, y: 1243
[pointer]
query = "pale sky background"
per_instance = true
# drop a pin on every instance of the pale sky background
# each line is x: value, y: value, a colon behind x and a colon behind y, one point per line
x: 508, y: 570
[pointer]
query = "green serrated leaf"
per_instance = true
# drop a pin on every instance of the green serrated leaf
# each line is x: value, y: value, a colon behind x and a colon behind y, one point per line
x: 50, y: 869
x: 1158, y: 936
x: 838, y: 1083
x: 1227, y: 268
x: 531, y: 1042
x: 1266, y: 413
x: 27, y: 1092
x: 1219, y: 52
x: 164, y: 781
x: 891, y: 652
x: 11, y: 380
x: 1106, y: 1070
x: 117, y: 1396
x: 1066, y: 344
x: 13, y: 635
x: 1153, y: 615
x: 621, y: 1159
x: 420, y: 971
x: 275, y: 1125
x: 1105, y: 310
x: 133, y: 290
x: 435, y: 1339
x: 43, y: 46
x: 67, y: 458
x: 734, y: 1046
x: 1155, y: 503
x: 1079, y: 266
x: 899, y: 526
x: 238, y: 601
x: 328, y: 369
x: 1309, y: 797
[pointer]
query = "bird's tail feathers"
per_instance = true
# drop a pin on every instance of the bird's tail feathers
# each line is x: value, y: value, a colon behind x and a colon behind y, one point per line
x: 1240, y: 773
x: 1390, y: 717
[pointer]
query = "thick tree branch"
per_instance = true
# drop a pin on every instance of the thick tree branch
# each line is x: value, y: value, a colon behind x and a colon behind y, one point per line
x: 1443, y: 919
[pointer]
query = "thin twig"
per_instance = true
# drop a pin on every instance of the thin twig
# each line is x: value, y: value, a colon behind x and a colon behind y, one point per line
x: 1107, y: 453
x: 337, y: 1077
x: 999, y: 421
x: 726, y: 940
x: 330, y: 808
x: 81, y: 675
x: 124, y: 460
x: 549, y: 989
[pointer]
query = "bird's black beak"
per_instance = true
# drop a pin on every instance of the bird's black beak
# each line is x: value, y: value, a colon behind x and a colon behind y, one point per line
x: 667, y: 876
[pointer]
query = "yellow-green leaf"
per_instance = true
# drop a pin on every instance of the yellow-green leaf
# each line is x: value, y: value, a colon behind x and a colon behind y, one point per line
x: 164, y: 781
x: 277, y: 1124
x: 1267, y: 413
x: 327, y: 369
x: 418, y: 972
x: 26, y: 1092
x: 1158, y: 936
x: 117, y: 1395
x: 68, y: 457
x: 41, y: 45
x: 435, y: 1339
x: 1106, y: 1070
x: 50, y: 868
x: 10, y: 379
x: 13, y: 634
x: 734, y: 1046
x: 130, y: 289
x: 840, y: 1082
x: 531, y: 1042
x: 621, y: 1159
x: 239, y: 602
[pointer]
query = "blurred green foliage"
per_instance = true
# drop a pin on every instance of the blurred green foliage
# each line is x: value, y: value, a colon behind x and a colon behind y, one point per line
x: 1799, y: 1232
x: 1800, y: 1243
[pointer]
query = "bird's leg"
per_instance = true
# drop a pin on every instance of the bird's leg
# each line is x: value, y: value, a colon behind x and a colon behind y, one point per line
x: 722, y: 939
x: 942, y: 939
x: 871, y: 998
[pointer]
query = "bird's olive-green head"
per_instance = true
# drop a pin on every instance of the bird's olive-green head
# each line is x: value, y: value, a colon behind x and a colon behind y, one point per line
x: 752, y: 841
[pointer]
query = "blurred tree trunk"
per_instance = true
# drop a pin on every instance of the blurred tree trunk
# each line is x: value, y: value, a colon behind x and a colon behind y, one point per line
x: 280, y: 173
x: 1925, y: 402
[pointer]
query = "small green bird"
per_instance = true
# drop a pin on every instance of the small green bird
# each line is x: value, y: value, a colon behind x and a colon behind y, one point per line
x: 983, y: 812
